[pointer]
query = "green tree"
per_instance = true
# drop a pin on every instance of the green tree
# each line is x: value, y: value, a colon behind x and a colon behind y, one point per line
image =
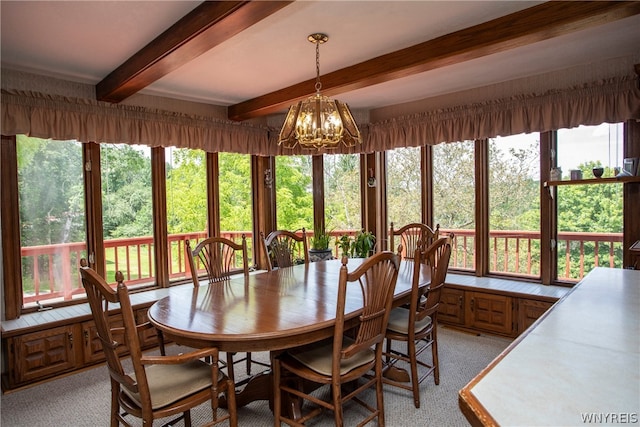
x: 342, y: 192
x: 235, y: 192
x: 51, y: 196
x: 186, y: 191
x: 404, y: 186
x: 126, y: 191
x: 294, y: 197
x: 514, y: 198
x: 454, y: 185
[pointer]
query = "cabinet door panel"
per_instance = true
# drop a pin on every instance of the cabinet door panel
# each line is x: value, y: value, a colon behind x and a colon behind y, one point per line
x: 451, y: 308
x: 492, y: 313
x: 92, y: 344
x: 529, y: 311
x: 42, y: 354
x: 148, y: 337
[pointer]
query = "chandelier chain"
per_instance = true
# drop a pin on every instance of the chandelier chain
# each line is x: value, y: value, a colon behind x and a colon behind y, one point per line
x: 318, y: 84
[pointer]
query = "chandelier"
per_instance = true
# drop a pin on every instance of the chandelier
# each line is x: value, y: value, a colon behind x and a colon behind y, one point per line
x: 319, y: 122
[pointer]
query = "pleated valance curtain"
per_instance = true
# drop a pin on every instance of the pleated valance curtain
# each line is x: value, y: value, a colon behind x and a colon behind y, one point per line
x: 64, y: 118
x: 611, y: 101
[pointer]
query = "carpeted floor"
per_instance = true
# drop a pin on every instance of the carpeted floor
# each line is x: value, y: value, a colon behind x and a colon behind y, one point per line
x: 83, y: 399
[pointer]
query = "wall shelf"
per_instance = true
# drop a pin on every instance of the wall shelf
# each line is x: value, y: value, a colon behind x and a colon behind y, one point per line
x: 612, y: 180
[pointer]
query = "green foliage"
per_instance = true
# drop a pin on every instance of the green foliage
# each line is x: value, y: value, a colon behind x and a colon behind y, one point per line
x: 235, y: 192
x: 454, y: 185
x: 320, y: 240
x: 404, y: 185
x: 345, y: 245
x: 360, y: 246
x: 590, y: 208
x: 186, y: 191
x: 126, y: 191
x: 51, y: 195
x: 364, y: 243
x: 294, y: 197
x: 514, y: 196
x: 342, y: 191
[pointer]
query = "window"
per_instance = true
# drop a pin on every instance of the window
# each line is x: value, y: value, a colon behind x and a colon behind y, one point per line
x: 127, y: 212
x: 454, y: 199
x: 235, y: 198
x: 589, y: 216
x: 52, y: 219
x: 342, y: 202
x: 294, y: 196
x: 404, y: 186
x: 186, y: 179
x: 514, y: 204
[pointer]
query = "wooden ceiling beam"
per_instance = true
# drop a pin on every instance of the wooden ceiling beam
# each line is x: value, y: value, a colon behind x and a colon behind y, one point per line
x: 206, y: 26
x: 535, y: 24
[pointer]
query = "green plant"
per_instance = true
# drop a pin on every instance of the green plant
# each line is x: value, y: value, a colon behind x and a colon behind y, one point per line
x: 320, y: 241
x: 364, y: 243
x: 360, y: 246
x: 344, y: 243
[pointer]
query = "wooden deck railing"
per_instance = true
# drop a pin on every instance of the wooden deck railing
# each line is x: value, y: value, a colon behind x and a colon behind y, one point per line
x: 52, y: 269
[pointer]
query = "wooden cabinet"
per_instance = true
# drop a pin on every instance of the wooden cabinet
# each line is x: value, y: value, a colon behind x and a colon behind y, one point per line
x: 92, y: 347
x: 493, y: 312
x: 489, y: 312
x: 451, y: 308
x: 148, y: 337
x: 43, y: 354
x: 529, y: 311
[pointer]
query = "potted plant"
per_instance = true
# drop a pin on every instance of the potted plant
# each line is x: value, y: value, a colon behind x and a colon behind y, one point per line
x: 360, y: 247
x: 363, y: 244
x: 345, y: 245
x: 320, y: 250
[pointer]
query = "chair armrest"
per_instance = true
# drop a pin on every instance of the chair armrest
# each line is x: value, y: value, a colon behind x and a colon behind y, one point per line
x: 180, y: 358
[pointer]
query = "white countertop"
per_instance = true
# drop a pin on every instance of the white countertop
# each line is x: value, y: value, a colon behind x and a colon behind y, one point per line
x: 581, y: 360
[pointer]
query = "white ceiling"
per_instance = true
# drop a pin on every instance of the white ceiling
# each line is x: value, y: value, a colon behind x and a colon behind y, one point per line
x: 83, y: 41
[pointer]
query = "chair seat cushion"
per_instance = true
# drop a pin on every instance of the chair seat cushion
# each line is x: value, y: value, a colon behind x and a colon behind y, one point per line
x: 170, y: 383
x: 399, y: 321
x: 318, y: 357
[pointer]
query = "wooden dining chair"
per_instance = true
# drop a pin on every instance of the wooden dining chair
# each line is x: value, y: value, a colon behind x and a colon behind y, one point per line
x: 354, y: 358
x: 416, y: 324
x: 158, y: 386
x: 285, y: 248
x: 412, y: 233
x: 220, y: 258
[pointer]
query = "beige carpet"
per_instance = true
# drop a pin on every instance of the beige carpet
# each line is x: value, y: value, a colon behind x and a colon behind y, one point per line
x: 83, y: 399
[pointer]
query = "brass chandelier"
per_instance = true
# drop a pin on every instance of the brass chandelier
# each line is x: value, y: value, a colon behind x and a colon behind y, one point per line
x: 319, y: 122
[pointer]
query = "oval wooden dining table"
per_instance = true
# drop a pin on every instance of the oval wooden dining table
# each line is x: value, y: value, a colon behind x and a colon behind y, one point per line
x: 268, y: 311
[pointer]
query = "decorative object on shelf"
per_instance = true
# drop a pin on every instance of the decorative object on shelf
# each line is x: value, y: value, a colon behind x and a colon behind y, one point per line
x: 577, y: 174
x: 319, y: 122
x: 597, y: 172
x: 320, y: 250
x: 555, y: 174
x: 630, y: 167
